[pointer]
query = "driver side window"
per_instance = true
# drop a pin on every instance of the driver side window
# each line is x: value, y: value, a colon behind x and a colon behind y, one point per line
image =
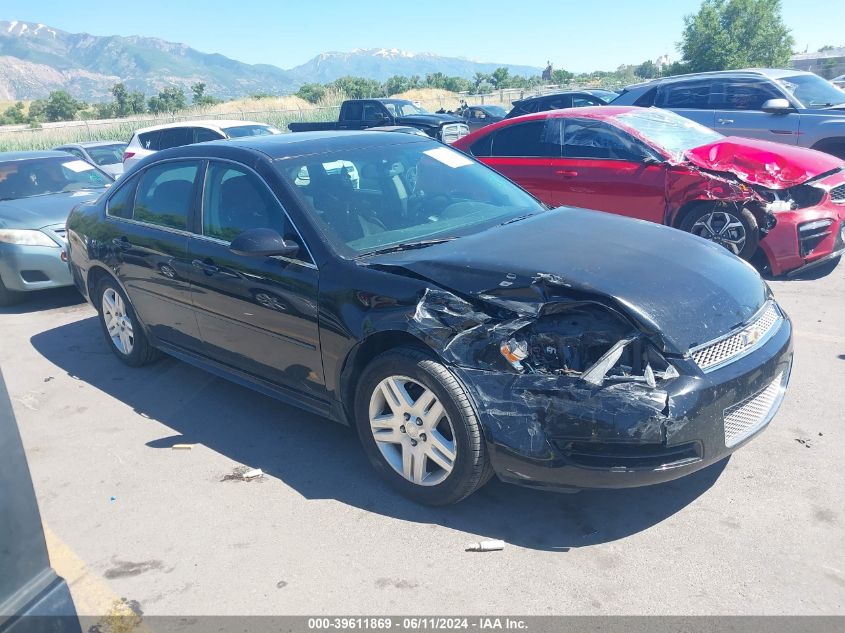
x: 588, y: 138
x: 236, y: 200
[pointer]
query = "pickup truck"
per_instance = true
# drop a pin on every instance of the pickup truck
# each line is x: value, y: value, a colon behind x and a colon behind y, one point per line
x: 360, y: 114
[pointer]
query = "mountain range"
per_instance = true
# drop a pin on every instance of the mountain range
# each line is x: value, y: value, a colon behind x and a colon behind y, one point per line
x: 36, y: 59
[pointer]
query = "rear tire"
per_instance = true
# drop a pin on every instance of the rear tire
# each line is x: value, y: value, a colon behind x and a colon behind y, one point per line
x: 430, y: 446
x: 734, y: 228
x: 9, y: 297
x: 124, y: 334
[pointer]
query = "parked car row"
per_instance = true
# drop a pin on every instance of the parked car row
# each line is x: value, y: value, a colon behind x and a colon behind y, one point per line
x: 454, y: 304
x: 397, y: 285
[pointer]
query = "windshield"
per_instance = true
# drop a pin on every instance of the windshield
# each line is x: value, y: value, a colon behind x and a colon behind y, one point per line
x: 43, y: 176
x: 375, y: 198
x: 403, y: 108
x: 813, y: 91
x: 671, y: 132
x: 107, y: 154
x: 250, y: 130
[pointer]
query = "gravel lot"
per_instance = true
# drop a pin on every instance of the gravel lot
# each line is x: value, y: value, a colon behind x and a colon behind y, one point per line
x: 128, y: 516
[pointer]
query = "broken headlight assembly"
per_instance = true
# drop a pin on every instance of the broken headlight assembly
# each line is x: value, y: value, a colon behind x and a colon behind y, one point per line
x: 590, y: 343
x: 798, y: 197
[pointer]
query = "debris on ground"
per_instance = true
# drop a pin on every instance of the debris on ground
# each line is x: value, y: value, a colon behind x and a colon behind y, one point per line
x: 486, y: 546
x: 48, y: 379
x: 806, y: 443
x: 244, y: 473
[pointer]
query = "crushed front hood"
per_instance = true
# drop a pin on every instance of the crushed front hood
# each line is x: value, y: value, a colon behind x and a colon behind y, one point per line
x: 756, y: 162
x: 678, y: 289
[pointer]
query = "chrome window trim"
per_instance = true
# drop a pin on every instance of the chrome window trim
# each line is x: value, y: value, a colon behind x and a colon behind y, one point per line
x: 751, y: 348
x: 307, y: 264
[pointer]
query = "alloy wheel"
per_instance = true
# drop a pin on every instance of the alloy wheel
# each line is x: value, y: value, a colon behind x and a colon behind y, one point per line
x: 412, y: 430
x: 117, y: 321
x: 723, y: 228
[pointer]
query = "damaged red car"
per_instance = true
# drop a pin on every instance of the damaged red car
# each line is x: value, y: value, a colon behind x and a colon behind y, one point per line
x: 780, y: 204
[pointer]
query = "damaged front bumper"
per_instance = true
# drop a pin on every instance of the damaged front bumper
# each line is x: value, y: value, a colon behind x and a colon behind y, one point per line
x: 805, y: 238
x: 552, y: 431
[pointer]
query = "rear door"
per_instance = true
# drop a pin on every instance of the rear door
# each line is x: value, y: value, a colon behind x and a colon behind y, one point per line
x: 255, y: 314
x: 740, y: 112
x: 148, y: 218
x: 689, y: 98
x: 606, y: 169
x: 525, y: 153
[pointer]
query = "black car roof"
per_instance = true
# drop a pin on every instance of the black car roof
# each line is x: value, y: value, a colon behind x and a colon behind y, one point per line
x: 586, y: 91
x: 302, y: 143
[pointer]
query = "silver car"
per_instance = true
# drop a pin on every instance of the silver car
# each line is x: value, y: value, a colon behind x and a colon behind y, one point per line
x: 107, y: 155
x: 37, y: 192
x: 788, y: 106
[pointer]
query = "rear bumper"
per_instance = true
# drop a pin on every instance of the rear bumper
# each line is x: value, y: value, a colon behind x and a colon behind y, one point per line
x: 553, y: 432
x: 794, y: 246
x: 26, y: 268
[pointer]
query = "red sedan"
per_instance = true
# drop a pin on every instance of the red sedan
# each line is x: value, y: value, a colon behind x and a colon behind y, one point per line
x: 655, y: 165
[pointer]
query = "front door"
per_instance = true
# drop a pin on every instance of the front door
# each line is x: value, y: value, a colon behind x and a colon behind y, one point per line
x: 148, y: 218
x: 606, y: 169
x: 740, y: 112
x: 256, y: 314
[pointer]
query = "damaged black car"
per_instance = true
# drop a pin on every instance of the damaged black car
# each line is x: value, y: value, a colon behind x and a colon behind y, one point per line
x: 462, y: 328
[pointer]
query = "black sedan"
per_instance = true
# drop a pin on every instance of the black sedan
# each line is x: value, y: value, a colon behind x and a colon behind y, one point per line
x: 393, y: 284
x: 561, y: 101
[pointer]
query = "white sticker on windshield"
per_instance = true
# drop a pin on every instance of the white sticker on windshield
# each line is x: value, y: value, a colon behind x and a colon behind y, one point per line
x: 448, y: 157
x: 77, y: 165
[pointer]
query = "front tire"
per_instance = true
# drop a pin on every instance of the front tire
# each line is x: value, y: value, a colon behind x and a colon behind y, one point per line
x: 124, y: 334
x: 419, y: 429
x: 733, y: 227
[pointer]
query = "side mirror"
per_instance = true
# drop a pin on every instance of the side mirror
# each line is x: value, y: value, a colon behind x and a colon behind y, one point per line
x: 776, y: 106
x: 263, y: 243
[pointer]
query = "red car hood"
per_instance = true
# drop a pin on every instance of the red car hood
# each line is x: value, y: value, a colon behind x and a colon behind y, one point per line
x: 764, y: 163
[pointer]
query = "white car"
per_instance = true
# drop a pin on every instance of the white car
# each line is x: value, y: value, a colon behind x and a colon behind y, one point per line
x: 839, y: 81
x: 149, y: 140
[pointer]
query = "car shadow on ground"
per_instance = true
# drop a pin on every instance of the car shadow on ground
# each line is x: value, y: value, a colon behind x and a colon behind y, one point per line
x: 322, y: 460
x: 45, y: 300
x: 811, y: 274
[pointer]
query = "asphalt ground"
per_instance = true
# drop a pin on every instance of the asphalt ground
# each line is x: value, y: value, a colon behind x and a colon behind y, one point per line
x: 129, y: 517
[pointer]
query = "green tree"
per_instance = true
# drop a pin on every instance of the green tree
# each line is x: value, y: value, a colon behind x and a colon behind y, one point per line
x: 13, y: 115
x: 435, y: 80
x: 60, y: 106
x: 396, y: 85
x: 105, y: 110
x: 646, y: 70
x: 358, y: 87
x: 480, y: 79
x: 500, y: 78
x: 457, y: 84
x: 312, y: 93
x: 560, y: 76
x: 168, y: 100
x: 121, y: 100
x: 727, y: 34
x: 36, y: 111
x: 137, y: 102
x: 199, y: 96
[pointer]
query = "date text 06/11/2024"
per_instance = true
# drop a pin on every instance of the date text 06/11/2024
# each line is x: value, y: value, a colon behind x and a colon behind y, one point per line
x: 429, y: 623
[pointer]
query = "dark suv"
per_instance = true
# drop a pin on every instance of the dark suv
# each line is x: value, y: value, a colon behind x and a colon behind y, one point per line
x: 788, y: 106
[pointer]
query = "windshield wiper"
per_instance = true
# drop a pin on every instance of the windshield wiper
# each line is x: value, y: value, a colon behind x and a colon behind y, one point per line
x: 409, y: 246
x: 521, y: 217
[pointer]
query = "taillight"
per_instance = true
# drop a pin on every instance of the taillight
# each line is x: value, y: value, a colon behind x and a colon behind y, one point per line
x: 128, y: 155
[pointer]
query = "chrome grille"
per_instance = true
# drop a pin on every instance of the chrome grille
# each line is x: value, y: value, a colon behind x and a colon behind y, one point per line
x: 837, y: 194
x: 738, y: 343
x: 453, y: 131
x: 750, y: 415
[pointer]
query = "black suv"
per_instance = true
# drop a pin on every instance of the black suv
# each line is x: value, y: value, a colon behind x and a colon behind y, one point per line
x: 561, y: 100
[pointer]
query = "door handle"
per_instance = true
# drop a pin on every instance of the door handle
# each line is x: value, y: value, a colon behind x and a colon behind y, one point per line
x: 121, y: 243
x: 566, y: 173
x: 725, y: 121
x: 206, y: 266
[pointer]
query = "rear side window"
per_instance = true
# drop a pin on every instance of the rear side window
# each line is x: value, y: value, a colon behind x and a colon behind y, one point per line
x: 203, y: 134
x: 353, y: 111
x: 532, y: 139
x: 585, y: 100
x: 685, y: 94
x: 645, y: 100
x: 175, y: 137
x: 558, y: 102
x: 483, y: 146
x: 165, y: 194
x: 121, y: 202
x: 748, y: 94
x: 150, y: 140
x: 372, y: 112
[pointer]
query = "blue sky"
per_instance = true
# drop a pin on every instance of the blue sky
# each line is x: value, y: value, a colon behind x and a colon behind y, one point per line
x: 575, y: 35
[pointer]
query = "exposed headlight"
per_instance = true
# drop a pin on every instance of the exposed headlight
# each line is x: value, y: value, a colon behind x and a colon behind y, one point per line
x: 26, y: 237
